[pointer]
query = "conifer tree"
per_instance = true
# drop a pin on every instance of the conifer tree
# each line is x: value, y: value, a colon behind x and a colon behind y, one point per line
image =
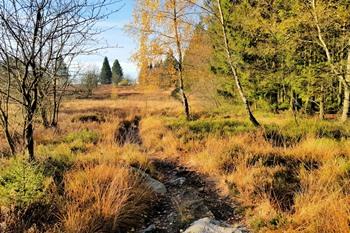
x: 117, y: 72
x: 106, y: 73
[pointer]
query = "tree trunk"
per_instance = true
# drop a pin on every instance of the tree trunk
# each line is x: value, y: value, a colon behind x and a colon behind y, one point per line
x: 346, y: 104
x: 233, y: 69
x: 4, y: 110
x: 185, y: 101
x: 284, y: 93
x: 30, y: 110
x: 306, y: 106
x: 339, y: 96
x: 44, y: 118
x: 29, y: 136
x: 11, y: 143
x: 292, y: 103
x: 346, y: 82
x: 321, y: 113
x: 54, y: 120
x: 179, y: 51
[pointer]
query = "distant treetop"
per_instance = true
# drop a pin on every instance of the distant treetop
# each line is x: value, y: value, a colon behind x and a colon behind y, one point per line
x: 106, y: 72
x: 117, y: 72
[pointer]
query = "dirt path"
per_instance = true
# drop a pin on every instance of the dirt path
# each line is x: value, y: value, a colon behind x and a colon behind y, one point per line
x: 189, y: 197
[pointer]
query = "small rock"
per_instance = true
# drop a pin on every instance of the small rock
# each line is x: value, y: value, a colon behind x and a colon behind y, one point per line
x: 178, y: 181
x: 155, y: 185
x: 207, y: 225
x: 149, y: 229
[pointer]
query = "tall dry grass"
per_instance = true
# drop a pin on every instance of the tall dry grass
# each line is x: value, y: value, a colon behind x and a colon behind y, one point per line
x: 299, y: 188
x: 302, y: 186
x: 104, y: 198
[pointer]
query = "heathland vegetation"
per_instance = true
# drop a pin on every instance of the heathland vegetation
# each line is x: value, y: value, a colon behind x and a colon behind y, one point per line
x: 240, y: 114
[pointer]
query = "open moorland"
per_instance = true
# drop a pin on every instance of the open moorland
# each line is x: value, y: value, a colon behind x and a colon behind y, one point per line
x: 214, y: 116
x: 292, y: 175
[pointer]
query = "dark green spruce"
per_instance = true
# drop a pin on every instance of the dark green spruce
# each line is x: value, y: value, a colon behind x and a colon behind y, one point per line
x: 106, y: 72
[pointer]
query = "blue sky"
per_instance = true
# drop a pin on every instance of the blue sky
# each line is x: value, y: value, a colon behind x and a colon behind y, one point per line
x: 115, y: 37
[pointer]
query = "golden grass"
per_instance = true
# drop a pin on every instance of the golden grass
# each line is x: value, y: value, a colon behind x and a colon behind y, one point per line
x: 320, y: 211
x: 245, y: 168
x: 103, y: 199
x: 321, y: 149
x: 100, y: 188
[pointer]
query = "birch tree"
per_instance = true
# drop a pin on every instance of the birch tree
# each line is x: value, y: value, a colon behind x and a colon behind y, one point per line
x: 331, y: 22
x: 229, y: 56
x: 165, y: 25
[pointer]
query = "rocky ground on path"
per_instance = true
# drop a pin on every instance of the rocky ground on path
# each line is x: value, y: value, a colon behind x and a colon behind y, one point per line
x: 190, y: 200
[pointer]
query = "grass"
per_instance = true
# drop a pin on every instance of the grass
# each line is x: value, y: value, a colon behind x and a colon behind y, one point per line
x: 85, y: 136
x: 103, y: 199
x: 201, y: 128
x: 287, y: 177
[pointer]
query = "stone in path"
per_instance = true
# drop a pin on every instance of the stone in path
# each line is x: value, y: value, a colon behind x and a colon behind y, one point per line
x: 207, y: 225
x: 155, y: 185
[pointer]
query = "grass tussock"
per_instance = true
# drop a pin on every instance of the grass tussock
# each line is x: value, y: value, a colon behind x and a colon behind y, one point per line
x: 103, y: 199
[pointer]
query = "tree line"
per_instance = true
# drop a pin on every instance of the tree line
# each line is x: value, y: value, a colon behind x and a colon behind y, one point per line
x: 286, y: 55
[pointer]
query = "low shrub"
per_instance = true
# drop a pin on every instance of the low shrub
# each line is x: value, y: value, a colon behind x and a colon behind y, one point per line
x: 89, y: 118
x: 21, y: 183
x: 285, y: 136
x: 201, y: 128
x: 85, y: 136
x: 333, y: 131
x: 26, y: 197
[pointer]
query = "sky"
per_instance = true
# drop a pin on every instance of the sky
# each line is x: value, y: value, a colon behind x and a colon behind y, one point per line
x: 122, y: 45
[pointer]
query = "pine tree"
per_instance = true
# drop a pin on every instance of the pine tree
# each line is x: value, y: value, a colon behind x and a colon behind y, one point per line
x: 106, y: 73
x: 117, y: 72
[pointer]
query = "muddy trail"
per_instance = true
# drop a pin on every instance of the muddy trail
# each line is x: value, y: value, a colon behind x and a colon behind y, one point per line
x: 189, y: 197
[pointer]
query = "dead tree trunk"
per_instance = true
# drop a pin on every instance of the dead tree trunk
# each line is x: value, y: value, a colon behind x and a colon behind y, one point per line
x: 233, y: 69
